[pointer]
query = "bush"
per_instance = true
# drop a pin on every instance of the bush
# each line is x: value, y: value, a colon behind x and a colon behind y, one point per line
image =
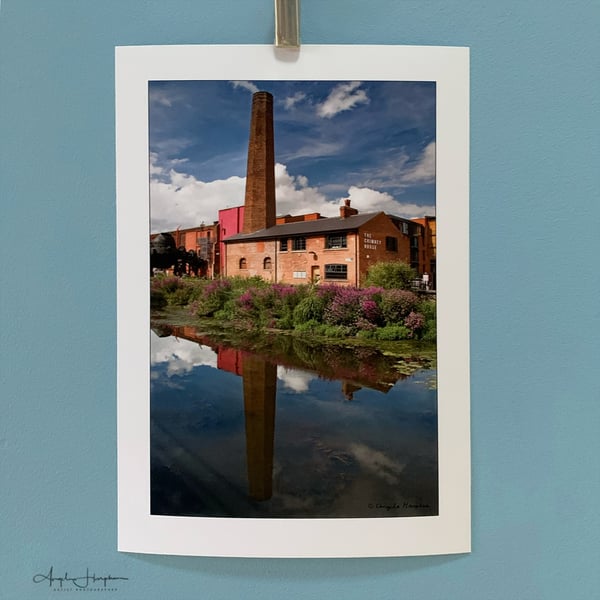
x: 391, y: 275
x: 415, y: 323
x: 391, y: 333
x: 309, y: 308
x: 396, y: 305
x: 309, y: 326
x: 344, y: 308
x: 215, y: 295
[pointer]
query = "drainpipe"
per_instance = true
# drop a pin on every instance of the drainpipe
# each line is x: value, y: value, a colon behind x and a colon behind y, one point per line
x: 276, y: 261
x: 356, y: 243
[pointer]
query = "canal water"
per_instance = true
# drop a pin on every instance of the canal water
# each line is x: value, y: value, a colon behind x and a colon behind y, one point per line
x: 281, y: 429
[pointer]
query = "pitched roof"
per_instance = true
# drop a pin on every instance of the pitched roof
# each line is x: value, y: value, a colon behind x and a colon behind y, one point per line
x: 317, y: 226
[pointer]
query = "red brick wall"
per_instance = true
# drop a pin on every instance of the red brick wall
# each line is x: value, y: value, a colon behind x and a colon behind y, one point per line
x: 372, y: 244
x: 254, y: 259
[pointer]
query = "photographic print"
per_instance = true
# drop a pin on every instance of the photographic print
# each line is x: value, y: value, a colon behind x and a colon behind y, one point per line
x: 293, y: 299
x: 295, y: 304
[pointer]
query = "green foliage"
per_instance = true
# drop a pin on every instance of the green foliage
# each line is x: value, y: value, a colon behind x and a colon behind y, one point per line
x: 309, y: 326
x: 392, y: 333
x: 310, y: 308
x: 391, y: 275
x: 330, y: 311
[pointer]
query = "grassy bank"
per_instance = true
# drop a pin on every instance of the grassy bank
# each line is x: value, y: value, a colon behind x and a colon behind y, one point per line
x: 324, y: 310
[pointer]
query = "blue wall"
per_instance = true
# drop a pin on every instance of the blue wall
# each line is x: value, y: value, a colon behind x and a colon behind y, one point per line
x: 535, y: 319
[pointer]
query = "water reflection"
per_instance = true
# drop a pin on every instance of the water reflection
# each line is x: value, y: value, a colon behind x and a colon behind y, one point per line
x: 227, y: 440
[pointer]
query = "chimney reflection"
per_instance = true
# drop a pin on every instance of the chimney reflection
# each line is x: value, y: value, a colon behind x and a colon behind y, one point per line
x: 260, y: 385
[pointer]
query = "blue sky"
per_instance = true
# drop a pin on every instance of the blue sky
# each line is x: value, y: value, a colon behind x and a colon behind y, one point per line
x: 372, y: 142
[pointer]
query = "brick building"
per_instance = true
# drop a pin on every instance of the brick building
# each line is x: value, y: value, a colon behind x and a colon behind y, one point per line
x: 250, y: 240
x: 309, y: 248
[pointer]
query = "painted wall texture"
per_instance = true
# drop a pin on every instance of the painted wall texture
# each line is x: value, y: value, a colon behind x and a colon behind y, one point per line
x: 535, y: 321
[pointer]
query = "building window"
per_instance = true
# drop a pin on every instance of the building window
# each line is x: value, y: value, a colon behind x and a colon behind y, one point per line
x: 243, y: 264
x: 336, y: 271
x: 391, y: 243
x: 405, y: 228
x: 299, y: 274
x: 267, y: 263
x: 283, y: 245
x: 414, y: 242
x: 299, y: 243
x: 336, y: 241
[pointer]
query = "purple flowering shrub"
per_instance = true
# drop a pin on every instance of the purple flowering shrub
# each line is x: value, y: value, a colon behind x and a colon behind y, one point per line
x: 414, y: 322
x: 396, y: 305
x: 213, y: 297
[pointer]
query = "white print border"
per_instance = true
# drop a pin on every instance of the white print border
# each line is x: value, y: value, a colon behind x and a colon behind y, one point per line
x: 139, y: 531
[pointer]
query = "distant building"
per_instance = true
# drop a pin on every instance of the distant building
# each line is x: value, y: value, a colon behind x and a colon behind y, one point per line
x: 203, y: 242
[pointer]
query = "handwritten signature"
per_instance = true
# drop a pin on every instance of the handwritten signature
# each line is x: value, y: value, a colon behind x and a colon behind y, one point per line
x: 82, y: 581
x: 396, y: 506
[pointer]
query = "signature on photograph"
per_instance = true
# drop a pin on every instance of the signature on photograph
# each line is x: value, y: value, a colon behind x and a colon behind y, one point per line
x: 87, y: 581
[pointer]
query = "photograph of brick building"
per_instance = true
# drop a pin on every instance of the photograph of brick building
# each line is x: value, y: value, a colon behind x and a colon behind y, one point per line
x: 285, y: 381
x: 263, y: 219
x: 310, y: 248
x: 337, y: 249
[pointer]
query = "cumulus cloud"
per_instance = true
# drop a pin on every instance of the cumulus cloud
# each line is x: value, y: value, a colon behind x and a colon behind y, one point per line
x: 294, y: 379
x: 295, y: 196
x: 181, y: 200
x: 291, y: 101
x: 181, y: 356
x: 344, y: 96
x: 246, y: 85
x: 369, y: 200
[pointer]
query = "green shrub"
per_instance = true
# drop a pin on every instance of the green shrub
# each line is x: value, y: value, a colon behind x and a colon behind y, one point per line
x: 309, y: 326
x: 391, y: 333
x: 366, y: 334
x: 180, y: 297
x: 309, y: 308
x: 391, y: 275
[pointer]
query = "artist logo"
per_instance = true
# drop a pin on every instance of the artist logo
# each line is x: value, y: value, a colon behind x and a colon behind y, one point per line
x: 89, y: 582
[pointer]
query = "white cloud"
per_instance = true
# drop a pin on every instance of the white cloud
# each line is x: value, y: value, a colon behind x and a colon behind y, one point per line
x: 246, y: 85
x: 294, y: 379
x: 160, y: 96
x: 377, y: 462
x: 295, y: 196
x: 181, y: 355
x: 366, y: 199
x: 291, y: 101
x: 315, y: 149
x: 181, y: 200
x: 344, y: 96
x: 184, y: 201
x: 423, y: 171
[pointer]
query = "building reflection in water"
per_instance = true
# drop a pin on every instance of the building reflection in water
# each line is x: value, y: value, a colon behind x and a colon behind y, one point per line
x: 260, y: 389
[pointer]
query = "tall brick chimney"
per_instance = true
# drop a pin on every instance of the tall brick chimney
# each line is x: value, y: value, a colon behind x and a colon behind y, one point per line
x: 259, y: 211
x: 346, y: 211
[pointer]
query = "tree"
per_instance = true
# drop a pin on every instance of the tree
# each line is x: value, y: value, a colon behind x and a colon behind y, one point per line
x: 390, y: 275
